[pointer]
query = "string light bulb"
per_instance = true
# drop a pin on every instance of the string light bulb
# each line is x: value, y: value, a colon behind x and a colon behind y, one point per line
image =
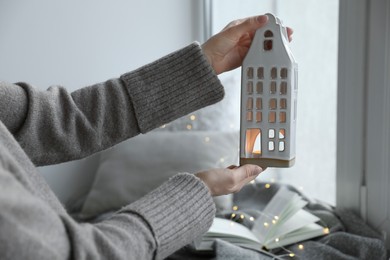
x: 276, y: 240
x: 189, y: 127
x: 242, y: 216
x: 235, y: 208
x: 233, y: 215
x: 193, y: 117
x: 266, y: 224
x: 267, y: 185
x: 326, y: 231
x: 300, y: 247
x: 252, y: 219
x: 291, y: 255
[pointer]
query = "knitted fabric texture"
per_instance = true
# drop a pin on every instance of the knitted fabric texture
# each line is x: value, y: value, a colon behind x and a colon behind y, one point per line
x: 54, y: 126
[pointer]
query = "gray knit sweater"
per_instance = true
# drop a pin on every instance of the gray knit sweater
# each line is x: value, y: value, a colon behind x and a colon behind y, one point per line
x: 54, y: 126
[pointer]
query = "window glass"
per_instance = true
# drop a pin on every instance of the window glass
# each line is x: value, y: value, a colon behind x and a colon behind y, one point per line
x: 314, y: 46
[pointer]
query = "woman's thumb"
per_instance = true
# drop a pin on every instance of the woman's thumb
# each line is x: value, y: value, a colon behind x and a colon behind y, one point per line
x: 250, y: 170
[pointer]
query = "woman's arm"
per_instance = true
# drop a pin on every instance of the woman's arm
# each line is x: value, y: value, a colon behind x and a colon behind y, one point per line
x: 55, y: 126
x: 154, y: 227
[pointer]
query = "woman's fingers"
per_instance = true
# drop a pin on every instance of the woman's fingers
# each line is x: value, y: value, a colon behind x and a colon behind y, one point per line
x: 235, y: 30
x: 229, y: 180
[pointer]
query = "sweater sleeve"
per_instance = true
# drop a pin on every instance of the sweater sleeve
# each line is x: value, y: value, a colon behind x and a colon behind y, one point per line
x: 154, y: 227
x: 55, y: 126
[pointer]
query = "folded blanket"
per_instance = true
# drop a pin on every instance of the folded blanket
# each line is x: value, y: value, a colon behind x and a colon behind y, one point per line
x: 349, y: 238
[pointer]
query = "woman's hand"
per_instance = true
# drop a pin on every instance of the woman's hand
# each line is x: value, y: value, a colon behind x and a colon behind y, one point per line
x: 229, y: 180
x: 226, y: 50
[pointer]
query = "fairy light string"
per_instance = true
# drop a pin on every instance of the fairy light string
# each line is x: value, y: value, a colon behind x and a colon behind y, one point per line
x: 296, y: 249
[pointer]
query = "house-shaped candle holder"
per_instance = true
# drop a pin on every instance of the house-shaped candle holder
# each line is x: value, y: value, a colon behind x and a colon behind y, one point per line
x: 269, y: 99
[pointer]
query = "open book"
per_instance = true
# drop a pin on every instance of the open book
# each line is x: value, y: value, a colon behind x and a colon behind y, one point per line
x: 282, y: 222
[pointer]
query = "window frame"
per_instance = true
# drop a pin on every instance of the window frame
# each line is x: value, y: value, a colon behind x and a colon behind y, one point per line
x: 363, y: 142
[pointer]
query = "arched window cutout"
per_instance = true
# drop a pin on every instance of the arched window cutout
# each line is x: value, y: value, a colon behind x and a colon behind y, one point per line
x: 268, y: 34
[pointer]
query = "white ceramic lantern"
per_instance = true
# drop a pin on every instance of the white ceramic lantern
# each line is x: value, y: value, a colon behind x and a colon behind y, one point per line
x: 269, y: 99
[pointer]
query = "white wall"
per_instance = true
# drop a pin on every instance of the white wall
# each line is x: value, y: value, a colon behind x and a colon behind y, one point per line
x: 75, y: 43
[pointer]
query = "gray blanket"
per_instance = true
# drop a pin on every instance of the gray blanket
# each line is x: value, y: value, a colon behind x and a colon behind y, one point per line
x: 349, y: 238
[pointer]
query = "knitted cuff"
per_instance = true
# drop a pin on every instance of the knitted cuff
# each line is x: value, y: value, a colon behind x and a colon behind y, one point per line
x: 178, y: 212
x: 172, y: 87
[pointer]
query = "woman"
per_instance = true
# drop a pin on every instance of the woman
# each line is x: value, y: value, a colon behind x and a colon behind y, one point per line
x: 46, y: 127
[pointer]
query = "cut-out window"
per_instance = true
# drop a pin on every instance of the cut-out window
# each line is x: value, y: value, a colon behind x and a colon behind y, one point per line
x: 249, y: 87
x: 271, y: 133
x: 272, y: 87
x: 249, y: 104
x: 282, y: 133
x: 249, y: 116
x: 283, y: 73
x: 249, y: 73
x: 283, y: 88
x: 268, y: 45
x: 272, y: 104
x: 260, y: 73
x: 259, y: 117
x: 259, y: 104
x: 271, y: 146
x: 283, y: 103
x: 272, y: 117
x: 259, y: 87
x: 281, y: 146
x: 268, y: 34
x: 274, y: 73
x: 282, y: 117
x: 253, y: 143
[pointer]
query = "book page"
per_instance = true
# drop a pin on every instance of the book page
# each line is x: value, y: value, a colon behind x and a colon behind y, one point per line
x: 309, y: 231
x: 299, y: 220
x: 283, y: 205
x: 223, y: 228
